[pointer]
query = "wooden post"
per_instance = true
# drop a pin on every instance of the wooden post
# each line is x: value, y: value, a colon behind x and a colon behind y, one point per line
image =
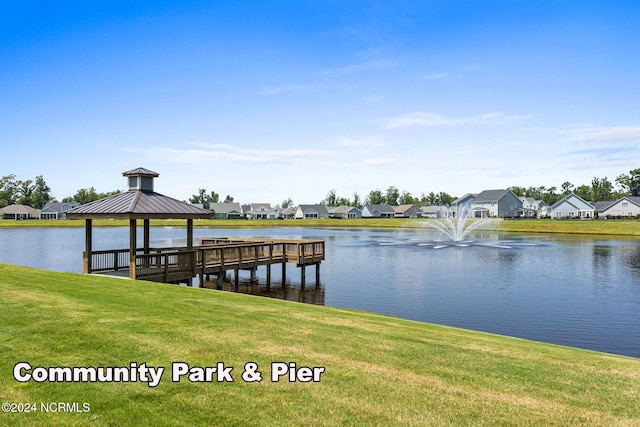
x: 284, y: 272
x: 88, y: 257
x: 303, y: 275
x: 268, y: 275
x: 236, y: 279
x: 192, y: 258
x: 317, y: 274
x: 254, y: 278
x: 132, y: 248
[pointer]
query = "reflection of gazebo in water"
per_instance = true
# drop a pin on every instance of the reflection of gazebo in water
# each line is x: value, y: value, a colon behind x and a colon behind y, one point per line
x: 213, y: 256
x: 139, y: 202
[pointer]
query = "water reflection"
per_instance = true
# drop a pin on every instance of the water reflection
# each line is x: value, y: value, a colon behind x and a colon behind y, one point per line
x: 310, y: 294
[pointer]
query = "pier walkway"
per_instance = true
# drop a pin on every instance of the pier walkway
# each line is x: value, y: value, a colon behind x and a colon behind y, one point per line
x: 214, y: 256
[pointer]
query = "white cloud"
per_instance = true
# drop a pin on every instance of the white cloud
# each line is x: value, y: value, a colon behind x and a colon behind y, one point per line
x: 429, y: 119
x: 363, y: 66
x: 438, y: 76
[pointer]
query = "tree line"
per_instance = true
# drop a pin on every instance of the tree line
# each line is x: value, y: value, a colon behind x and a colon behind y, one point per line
x: 36, y: 193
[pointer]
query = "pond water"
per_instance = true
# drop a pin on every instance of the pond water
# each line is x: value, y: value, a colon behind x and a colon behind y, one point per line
x: 580, y: 292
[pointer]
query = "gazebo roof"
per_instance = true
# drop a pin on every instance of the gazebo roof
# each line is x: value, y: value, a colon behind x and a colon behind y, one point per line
x: 138, y: 204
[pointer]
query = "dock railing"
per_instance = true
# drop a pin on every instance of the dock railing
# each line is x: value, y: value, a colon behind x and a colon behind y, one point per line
x: 213, y: 256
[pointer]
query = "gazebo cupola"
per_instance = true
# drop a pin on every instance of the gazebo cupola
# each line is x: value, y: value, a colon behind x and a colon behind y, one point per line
x: 140, y: 179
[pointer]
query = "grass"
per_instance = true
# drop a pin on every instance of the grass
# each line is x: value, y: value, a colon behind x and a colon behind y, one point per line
x: 379, y: 370
x: 600, y: 227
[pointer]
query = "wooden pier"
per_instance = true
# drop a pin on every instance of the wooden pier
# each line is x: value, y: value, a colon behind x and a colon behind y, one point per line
x: 214, y: 256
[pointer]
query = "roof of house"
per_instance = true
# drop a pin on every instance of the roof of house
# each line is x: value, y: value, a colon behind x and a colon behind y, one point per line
x: 141, y: 172
x: 404, y: 208
x: 57, y: 206
x: 225, y: 208
x: 463, y: 198
x: 19, y: 209
x: 341, y: 209
x: 568, y: 199
x: 602, y: 205
x: 317, y: 208
x: 490, y: 195
x: 380, y: 208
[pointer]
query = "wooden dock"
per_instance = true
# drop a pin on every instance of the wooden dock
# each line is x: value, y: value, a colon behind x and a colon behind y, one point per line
x: 214, y: 256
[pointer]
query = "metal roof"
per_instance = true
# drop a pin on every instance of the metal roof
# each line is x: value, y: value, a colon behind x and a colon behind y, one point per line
x: 138, y: 204
x: 141, y: 171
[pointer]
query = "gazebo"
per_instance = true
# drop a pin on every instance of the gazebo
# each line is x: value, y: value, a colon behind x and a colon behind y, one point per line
x: 139, y: 202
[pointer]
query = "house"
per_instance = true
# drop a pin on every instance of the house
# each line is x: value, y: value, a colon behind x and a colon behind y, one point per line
x: 288, y: 212
x: 226, y: 210
x: 57, y: 210
x: 311, y: 212
x: 258, y: 211
x: 378, y: 211
x: 19, y: 212
x: 344, y: 212
x: 626, y: 207
x: 407, y: 211
x: 572, y: 206
x: 496, y: 203
x: 462, y: 203
x: 531, y: 207
x: 275, y: 213
x: 436, y: 212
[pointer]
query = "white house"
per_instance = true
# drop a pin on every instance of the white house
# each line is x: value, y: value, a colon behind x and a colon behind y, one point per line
x: 344, y: 212
x: 572, y: 206
x: 626, y: 207
x: 226, y: 210
x: 311, y: 212
x: 378, y: 211
x: 57, y: 210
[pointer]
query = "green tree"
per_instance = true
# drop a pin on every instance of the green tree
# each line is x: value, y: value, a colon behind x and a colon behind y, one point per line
x: 8, y: 190
x: 630, y: 184
x: 583, y: 191
x: 567, y: 188
x: 601, y: 189
x: 228, y: 199
x: 375, y: 197
x: 25, y: 192
x: 392, y: 195
x: 356, y: 200
x: 406, y: 199
x: 286, y: 203
x: 41, y: 193
x: 331, y: 199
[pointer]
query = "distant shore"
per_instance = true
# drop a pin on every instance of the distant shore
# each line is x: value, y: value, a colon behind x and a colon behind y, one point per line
x: 600, y: 227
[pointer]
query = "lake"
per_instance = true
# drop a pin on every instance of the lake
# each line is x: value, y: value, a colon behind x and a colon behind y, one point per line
x: 576, y: 291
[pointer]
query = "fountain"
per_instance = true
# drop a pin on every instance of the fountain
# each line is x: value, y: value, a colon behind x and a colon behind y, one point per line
x: 458, y: 228
x: 456, y: 231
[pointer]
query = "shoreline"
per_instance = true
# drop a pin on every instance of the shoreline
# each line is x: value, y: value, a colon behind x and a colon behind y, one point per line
x: 538, y: 226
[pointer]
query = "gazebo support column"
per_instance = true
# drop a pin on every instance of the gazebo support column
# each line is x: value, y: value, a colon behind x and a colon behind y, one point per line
x: 190, y: 246
x: 86, y: 264
x: 132, y: 248
x: 146, y: 236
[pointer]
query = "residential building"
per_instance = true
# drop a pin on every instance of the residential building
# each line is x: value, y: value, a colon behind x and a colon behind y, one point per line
x: 57, y: 210
x: 344, y: 212
x: 311, y: 212
x: 407, y: 211
x: 226, y: 210
x: 572, y: 206
x: 19, y: 212
x: 496, y: 203
x: 378, y: 211
x: 436, y: 211
x: 626, y: 207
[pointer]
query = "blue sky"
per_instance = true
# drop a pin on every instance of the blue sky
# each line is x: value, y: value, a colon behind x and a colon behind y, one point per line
x: 276, y: 99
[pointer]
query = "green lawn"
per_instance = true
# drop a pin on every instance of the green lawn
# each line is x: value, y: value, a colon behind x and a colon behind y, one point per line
x: 379, y: 370
x: 601, y: 227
